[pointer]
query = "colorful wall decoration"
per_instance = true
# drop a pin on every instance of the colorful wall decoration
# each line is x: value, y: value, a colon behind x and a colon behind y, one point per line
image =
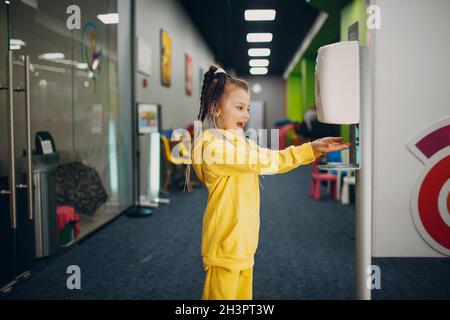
x: 166, y: 58
x: 430, y: 197
x: 188, y: 74
x: 91, y: 51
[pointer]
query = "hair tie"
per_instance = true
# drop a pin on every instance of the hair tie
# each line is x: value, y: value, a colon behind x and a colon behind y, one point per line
x: 220, y: 70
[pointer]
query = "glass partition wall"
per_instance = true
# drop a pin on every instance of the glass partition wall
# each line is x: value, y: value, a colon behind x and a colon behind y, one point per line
x: 73, y: 97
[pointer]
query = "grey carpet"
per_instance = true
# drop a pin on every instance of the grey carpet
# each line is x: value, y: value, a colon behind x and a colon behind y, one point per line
x: 306, y: 252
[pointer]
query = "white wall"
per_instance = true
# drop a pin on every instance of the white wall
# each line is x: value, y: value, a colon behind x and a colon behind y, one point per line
x: 178, y: 109
x: 412, y: 78
x: 273, y: 94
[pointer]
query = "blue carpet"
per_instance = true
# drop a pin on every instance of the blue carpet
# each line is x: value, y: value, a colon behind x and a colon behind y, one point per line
x: 306, y: 252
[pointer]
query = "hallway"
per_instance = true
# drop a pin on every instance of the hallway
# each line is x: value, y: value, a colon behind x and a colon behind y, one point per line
x: 306, y: 252
x: 159, y: 257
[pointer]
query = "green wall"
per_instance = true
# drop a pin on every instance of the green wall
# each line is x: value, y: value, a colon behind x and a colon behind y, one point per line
x: 352, y: 12
x: 294, y: 99
x: 300, y: 84
x: 300, y: 89
x: 308, y: 76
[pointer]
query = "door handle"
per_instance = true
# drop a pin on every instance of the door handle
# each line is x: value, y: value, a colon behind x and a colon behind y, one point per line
x: 29, y: 150
x: 11, y: 140
x: 19, y: 89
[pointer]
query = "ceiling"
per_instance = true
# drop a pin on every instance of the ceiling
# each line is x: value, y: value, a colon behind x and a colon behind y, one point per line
x: 222, y: 24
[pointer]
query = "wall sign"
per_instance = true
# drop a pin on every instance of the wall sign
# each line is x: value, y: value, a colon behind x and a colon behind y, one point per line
x: 430, y: 197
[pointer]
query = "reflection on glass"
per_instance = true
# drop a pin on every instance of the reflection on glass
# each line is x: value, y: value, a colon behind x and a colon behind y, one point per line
x: 74, y: 98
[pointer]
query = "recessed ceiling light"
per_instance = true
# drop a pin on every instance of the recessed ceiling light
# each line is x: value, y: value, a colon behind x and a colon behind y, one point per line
x: 259, y: 15
x: 259, y: 52
x: 256, y: 88
x: 259, y: 37
x: 110, y: 18
x: 258, y: 71
x: 258, y: 63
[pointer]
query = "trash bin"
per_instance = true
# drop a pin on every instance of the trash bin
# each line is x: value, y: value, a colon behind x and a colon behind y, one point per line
x: 44, y: 166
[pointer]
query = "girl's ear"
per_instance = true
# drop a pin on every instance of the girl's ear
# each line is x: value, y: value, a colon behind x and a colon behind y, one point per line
x: 216, y: 112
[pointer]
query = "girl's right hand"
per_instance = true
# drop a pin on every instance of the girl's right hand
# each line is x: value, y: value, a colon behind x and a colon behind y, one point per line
x: 328, y: 144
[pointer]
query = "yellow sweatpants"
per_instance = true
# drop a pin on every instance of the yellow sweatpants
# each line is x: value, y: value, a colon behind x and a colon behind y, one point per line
x: 222, y: 284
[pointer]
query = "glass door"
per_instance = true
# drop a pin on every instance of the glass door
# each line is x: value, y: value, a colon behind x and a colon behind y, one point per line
x: 44, y: 117
x: 59, y: 118
x: 74, y: 101
x: 6, y: 213
x: 96, y: 112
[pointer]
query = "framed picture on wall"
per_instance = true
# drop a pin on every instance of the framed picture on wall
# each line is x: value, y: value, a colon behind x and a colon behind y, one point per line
x: 144, y: 59
x: 166, y: 58
x: 188, y: 74
x: 147, y: 118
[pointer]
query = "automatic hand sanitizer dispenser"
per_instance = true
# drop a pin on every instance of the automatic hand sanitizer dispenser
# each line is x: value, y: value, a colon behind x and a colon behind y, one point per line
x: 337, y: 83
x: 337, y: 89
x: 343, y: 96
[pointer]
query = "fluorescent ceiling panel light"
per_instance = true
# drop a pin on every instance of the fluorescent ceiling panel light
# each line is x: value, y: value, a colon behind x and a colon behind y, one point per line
x: 258, y: 71
x: 110, y: 18
x: 52, y: 56
x: 82, y: 65
x: 259, y: 52
x: 31, y: 3
x: 260, y: 15
x: 17, y: 42
x: 258, y: 63
x: 259, y: 37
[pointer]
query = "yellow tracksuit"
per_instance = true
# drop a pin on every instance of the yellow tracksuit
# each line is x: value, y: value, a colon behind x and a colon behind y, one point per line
x: 229, y: 166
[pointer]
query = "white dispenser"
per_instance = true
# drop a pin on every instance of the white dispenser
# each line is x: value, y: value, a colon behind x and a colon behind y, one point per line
x: 337, y: 83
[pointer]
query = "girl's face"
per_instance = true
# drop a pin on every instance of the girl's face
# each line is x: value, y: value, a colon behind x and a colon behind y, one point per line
x: 234, y: 108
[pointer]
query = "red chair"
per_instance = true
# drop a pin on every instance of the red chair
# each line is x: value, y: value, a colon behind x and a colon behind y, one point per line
x: 317, y: 178
x: 282, y: 137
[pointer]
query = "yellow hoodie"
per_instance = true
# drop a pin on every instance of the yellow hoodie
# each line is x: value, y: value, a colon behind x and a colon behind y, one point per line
x: 229, y: 166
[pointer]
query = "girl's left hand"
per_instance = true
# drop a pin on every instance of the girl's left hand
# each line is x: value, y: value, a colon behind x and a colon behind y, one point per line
x: 328, y: 144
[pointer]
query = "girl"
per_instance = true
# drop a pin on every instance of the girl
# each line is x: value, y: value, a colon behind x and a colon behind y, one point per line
x: 229, y: 165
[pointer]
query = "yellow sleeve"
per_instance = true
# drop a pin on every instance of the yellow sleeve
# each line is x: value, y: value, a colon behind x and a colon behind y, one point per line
x: 227, y: 159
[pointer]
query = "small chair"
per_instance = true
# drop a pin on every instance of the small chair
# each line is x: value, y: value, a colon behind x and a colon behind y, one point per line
x: 348, y: 180
x: 335, y: 157
x: 283, y: 135
x: 317, y: 178
x: 171, y: 161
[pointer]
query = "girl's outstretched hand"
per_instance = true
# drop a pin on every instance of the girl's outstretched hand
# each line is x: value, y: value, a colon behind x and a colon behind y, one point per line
x: 328, y: 144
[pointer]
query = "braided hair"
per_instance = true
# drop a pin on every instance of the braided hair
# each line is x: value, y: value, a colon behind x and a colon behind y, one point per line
x: 214, y: 84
